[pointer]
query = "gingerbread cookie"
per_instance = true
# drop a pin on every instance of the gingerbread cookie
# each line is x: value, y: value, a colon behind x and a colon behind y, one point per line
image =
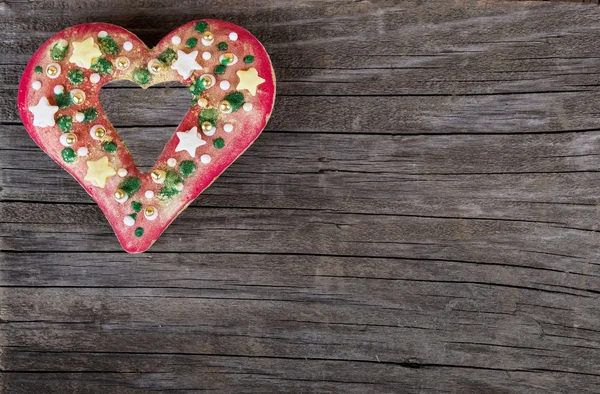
x: 232, y: 86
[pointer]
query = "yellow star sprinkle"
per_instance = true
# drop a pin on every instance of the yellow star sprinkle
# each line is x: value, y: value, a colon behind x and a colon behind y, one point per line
x: 249, y: 80
x: 99, y: 171
x: 84, y: 52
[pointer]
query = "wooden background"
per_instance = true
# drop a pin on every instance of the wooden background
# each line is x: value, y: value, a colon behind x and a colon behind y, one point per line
x: 421, y: 214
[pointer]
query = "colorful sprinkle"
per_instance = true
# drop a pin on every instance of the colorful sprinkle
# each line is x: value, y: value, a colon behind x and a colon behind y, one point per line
x: 68, y: 155
x: 75, y: 76
x: 102, y: 66
x: 136, y: 206
x: 109, y: 147
x: 219, y: 143
x: 191, y: 42
x: 201, y: 27
x: 141, y: 76
x: 139, y: 232
x: 65, y: 123
x: 187, y: 168
x: 248, y: 59
x: 223, y: 46
x: 38, y: 69
x: 220, y: 69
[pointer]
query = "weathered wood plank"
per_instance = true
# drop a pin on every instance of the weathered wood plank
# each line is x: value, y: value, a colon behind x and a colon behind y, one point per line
x: 420, y: 215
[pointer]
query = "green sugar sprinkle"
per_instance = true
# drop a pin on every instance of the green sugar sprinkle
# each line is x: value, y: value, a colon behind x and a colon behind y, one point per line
x: 64, y: 122
x: 102, y: 66
x: 68, y: 155
x: 191, y: 42
x: 133, y: 216
x: 75, y: 76
x: 196, y: 88
x: 130, y: 185
x: 108, y: 45
x: 38, y: 69
x: 169, y: 190
x: 90, y: 114
x: 187, y: 168
x: 141, y: 76
x: 220, y: 69
x: 58, y: 52
x: 223, y: 46
x: 219, y: 143
x: 136, y: 205
x: 139, y: 232
x: 236, y: 99
x: 63, y: 100
x: 167, y: 56
x: 208, y: 115
x: 248, y: 59
x: 110, y: 147
x: 201, y: 27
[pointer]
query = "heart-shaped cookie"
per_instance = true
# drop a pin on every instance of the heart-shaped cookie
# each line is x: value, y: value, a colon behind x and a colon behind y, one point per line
x: 232, y: 85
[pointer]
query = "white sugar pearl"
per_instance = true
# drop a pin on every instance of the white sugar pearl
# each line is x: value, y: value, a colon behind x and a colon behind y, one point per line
x: 202, y: 102
x: 58, y: 89
x: 79, y: 117
x: 83, y: 151
x: 95, y: 78
x: 172, y: 162
x: 129, y: 221
x: 228, y: 128
x: 233, y: 36
x: 176, y: 40
x: 225, y: 85
x: 179, y: 186
x: 206, y: 55
x: 205, y: 159
x: 247, y: 107
x: 36, y: 85
x: 122, y: 172
x: 149, y: 194
x: 62, y: 43
x: 102, y: 34
x: 128, y: 46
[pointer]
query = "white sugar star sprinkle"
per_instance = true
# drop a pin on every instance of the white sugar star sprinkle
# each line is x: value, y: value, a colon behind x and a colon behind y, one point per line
x: 189, y: 141
x: 43, y: 113
x: 186, y: 63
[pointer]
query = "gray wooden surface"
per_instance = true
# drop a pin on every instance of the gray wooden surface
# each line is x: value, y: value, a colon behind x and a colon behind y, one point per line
x: 420, y: 216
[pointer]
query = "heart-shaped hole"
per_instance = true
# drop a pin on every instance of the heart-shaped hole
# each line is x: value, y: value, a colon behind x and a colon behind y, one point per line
x: 145, y: 118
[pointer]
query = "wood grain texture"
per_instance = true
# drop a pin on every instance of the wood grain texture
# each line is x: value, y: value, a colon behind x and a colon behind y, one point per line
x: 420, y: 216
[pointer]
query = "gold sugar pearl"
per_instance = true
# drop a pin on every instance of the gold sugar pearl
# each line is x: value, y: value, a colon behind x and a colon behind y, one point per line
x: 207, y: 126
x: 70, y: 139
x: 207, y: 82
x: 208, y: 36
x: 158, y: 176
x: 225, y: 106
x: 120, y: 194
x: 77, y: 96
x: 100, y: 132
x: 149, y: 211
x: 123, y: 63
x: 53, y: 70
x: 154, y: 66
